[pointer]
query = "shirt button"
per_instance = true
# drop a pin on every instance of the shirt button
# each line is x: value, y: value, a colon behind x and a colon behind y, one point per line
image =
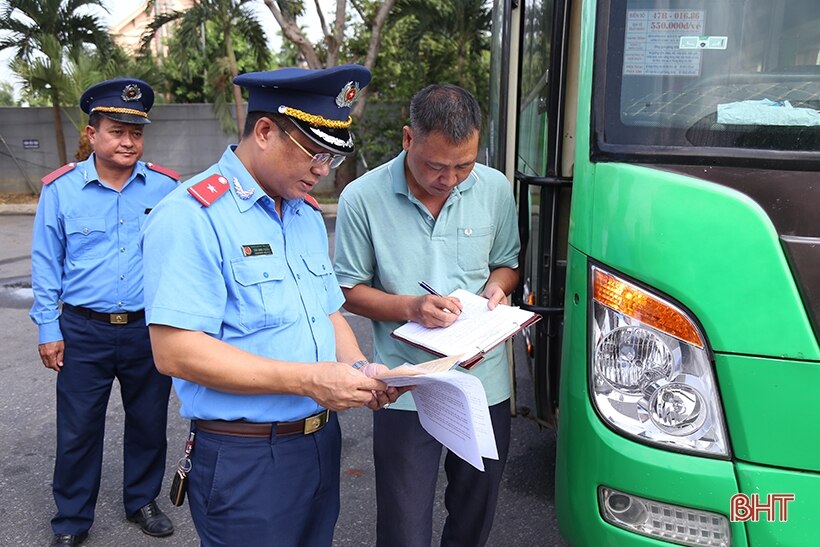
x: 468, y: 232
x: 122, y: 221
x: 119, y: 304
x: 265, y: 275
x: 122, y: 249
x: 312, y: 319
x: 85, y: 231
x: 122, y: 277
x: 298, y: 276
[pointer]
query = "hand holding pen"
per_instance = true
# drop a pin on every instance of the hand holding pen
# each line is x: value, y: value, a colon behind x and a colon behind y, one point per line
x: 449, y: 305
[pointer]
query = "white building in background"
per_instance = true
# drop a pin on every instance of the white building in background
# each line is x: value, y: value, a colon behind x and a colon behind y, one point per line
x: 128, y: 32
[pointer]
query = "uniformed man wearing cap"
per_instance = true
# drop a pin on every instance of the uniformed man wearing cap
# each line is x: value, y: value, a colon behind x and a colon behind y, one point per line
x: 85, y: 254
x: 244, y: 312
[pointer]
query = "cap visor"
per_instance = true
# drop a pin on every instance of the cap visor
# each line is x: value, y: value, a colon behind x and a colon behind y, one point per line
x: 336, y: 140
x: 126, y: 118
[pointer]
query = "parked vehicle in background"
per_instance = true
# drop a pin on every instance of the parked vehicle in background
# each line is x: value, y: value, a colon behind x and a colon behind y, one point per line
x: 665, y: 156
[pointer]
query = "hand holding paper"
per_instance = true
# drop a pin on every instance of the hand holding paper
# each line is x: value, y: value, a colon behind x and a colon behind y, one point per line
x: 452, y: 407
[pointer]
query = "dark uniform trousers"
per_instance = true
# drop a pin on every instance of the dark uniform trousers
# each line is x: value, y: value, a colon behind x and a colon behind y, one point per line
x: 278, y: 491
x: 95, y: 354
x: 407, y: 459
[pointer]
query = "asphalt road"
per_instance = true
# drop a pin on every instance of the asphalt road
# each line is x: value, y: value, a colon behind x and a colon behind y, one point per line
x: 525, y: 515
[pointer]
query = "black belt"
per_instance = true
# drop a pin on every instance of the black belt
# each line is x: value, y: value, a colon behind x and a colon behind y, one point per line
x: 112, y: 318
x: 309, y: 425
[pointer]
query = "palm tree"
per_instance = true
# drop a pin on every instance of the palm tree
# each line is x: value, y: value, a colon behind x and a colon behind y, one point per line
x: 230, y: 17
x: 43, y: 34
x: 334, y: 47
x: 450, y: 40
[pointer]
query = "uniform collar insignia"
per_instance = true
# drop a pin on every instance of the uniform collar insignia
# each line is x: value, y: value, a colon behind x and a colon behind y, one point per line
x: 131, y: 92
x: 348, y: 94
x: 241, y: 192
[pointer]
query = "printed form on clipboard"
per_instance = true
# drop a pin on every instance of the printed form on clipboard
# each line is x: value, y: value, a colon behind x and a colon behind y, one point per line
x: 476, y: 331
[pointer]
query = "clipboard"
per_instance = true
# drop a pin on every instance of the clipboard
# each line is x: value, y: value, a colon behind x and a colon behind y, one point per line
x: 477, y: 331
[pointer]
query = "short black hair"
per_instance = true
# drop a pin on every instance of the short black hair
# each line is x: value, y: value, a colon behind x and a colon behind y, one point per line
x: 445, y: 108
x: 250, y: 122
x: 94, y: 119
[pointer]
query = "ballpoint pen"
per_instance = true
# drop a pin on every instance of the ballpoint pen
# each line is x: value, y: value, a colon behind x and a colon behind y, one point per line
x: 432, y: 291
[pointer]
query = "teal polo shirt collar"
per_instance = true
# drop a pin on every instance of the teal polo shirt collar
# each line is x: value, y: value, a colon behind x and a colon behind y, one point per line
x: 396, y: 168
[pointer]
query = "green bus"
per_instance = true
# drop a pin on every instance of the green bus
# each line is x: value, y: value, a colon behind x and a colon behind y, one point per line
x: 666, y: 160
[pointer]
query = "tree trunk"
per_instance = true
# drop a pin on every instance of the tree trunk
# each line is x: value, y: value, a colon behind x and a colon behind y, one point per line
x: 58, y: 126
x: 345, y: 173
x: 290, y: 30
x: 237, y: 92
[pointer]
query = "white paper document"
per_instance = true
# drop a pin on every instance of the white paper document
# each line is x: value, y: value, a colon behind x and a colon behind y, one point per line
x: 452, y: 407
x: 476, y: 331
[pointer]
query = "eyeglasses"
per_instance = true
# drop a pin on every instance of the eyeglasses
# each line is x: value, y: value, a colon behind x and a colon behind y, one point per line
x: 318, y: 159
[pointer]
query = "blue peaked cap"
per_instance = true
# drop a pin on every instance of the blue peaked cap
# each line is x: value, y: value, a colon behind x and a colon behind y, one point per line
x: 318, y: 101
x: 126, y: 100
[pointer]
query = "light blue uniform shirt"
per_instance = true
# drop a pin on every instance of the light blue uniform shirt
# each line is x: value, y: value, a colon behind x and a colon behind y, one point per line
x: 239, y: 273
x: 85, y: 249
x: 387, y: 239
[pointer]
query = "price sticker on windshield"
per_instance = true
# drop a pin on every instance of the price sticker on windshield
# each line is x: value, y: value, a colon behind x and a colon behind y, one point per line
x: 703, y: 42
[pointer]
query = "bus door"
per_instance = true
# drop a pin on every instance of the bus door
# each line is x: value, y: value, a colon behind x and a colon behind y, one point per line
x: 528, y: 137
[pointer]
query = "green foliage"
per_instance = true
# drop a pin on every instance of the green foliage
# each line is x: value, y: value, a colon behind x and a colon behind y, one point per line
x: 44, y: 35
x: 226, y: 23
x: 191, y: 76
x: 424, y: 42
x: 70, y: 22
x: 288, y: 54
x: 44, y: 77
x: 7, y: 94
x: 378, y: 137
x: 449, y: 41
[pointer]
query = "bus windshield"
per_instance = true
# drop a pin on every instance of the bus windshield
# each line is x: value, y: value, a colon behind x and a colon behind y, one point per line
x: 711, y: 73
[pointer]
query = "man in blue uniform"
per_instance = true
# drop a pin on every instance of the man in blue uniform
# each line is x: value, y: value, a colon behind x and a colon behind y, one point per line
x: 430, y: 214
x: 85, y: 254
x: 244, y: 312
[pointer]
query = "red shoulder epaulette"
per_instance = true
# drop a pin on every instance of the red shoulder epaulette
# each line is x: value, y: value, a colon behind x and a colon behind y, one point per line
x: 310, y: 200
x: 209, y: 190
x: 164, y: 170
x: 57, y: 173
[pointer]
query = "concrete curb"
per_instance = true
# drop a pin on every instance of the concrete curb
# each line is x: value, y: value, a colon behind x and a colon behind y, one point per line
x: 328, y: 209
x: 18, y: 208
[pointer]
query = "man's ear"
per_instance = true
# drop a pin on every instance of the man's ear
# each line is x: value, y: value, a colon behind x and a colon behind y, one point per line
x: 406, y: 137
x: 90, y: 134
x: 264, y: 131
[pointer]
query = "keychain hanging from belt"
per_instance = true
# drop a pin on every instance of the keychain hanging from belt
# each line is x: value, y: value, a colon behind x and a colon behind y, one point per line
x: 179, y: 486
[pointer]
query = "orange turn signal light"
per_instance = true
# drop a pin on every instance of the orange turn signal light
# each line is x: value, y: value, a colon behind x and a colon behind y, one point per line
x: 634, y: 302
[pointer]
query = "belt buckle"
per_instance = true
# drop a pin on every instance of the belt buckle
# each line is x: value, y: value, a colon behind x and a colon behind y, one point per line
x: 118, y: 318
x: 315, y: 423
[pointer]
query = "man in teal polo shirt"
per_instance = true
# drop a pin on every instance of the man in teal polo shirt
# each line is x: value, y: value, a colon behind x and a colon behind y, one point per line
x: 432, y: 214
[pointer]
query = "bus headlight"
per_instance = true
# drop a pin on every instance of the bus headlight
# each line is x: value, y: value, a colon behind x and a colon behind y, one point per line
x: 650, y: 372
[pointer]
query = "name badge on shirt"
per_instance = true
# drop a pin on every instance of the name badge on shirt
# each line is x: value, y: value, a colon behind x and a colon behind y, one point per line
x: 257, y: 249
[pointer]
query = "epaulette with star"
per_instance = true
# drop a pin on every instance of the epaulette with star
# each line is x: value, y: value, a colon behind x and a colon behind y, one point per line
x: 57, y: 173
x: 164, y: 170
x: 208, y: 190
x: 310, y: 200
